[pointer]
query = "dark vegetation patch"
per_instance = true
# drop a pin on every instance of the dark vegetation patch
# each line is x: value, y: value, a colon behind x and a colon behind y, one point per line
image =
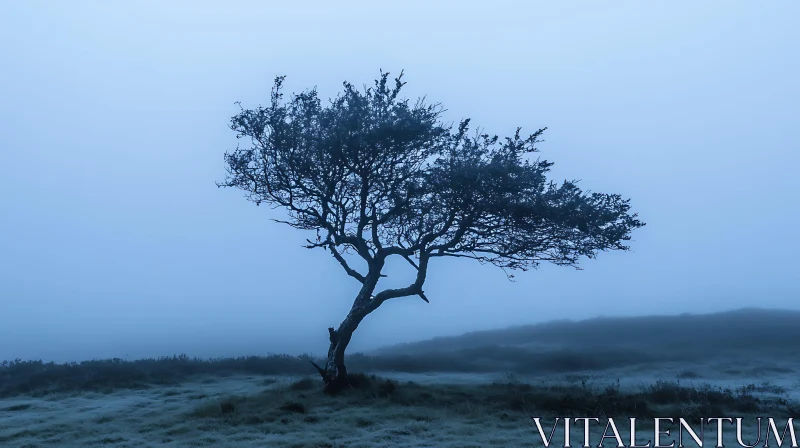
x: 305, y: 384
x: 178, y: 431
x: 39, y: 378
x: 17, y: 407
x: 763, y: 388
x: 293, y: 406
x: 507, y: 401
x: 227, y: 407
x: 361, y: 422
x: 660, y: 399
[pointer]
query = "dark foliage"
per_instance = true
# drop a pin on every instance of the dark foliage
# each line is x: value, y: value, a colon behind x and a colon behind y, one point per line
x: 381, y: 176
x: 37, y: 377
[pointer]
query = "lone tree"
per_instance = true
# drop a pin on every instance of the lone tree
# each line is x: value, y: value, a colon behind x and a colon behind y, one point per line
x: 378, y: 177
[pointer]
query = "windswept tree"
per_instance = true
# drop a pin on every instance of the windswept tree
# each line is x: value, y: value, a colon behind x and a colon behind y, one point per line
x: 375, y: 176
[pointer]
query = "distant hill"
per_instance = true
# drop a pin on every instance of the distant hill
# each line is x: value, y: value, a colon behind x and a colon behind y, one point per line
x: 750, y: 329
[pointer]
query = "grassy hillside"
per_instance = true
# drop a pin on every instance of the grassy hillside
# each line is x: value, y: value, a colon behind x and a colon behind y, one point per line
x: 678, y: 337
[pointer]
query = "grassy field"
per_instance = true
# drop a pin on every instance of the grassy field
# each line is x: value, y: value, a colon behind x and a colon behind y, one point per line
x: 410, y: 396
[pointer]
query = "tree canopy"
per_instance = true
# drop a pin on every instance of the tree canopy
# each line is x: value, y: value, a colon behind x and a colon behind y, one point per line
x: 380, y: 176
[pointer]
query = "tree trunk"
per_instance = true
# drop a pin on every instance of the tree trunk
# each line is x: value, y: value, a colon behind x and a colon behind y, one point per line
x: 334, y: 374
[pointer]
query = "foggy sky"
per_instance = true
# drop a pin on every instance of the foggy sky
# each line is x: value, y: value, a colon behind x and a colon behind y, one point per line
x: 115, y: 241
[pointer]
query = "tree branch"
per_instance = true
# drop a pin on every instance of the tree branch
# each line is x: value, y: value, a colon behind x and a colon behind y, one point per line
x: 410, y: 290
